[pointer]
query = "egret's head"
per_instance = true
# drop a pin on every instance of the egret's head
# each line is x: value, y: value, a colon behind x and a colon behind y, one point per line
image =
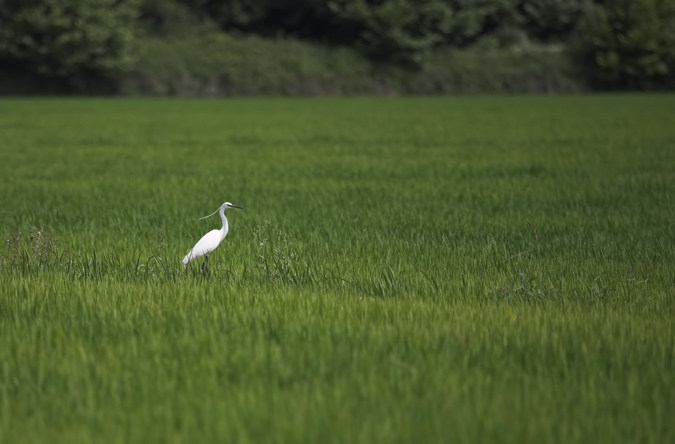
x: 227, y: 205
x: 222, y: 208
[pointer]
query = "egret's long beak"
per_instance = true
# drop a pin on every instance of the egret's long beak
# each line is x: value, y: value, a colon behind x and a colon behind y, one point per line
x: 235, y: 206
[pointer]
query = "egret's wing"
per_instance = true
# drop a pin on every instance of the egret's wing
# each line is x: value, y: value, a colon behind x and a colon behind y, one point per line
x: 206, y: 244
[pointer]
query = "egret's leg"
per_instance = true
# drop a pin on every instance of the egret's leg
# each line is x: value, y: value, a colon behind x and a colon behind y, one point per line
x: 206, y: 261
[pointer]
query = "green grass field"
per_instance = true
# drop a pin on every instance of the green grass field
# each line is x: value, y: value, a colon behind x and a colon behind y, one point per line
x: 405, y: 270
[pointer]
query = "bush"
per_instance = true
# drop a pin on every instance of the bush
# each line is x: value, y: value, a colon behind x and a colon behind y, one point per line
x: 218, y: 64
x: 629, y: 44
x: 71, y: 40
x: 224, y: 65
x: 497, y: 71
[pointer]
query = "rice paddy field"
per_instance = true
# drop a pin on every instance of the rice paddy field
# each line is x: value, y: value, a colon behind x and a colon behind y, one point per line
x: 436, y: 270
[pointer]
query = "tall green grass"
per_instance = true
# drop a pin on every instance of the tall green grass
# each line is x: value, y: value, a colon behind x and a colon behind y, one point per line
x: 433, y: 270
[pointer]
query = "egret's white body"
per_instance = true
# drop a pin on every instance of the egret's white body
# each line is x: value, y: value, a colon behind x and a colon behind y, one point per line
x: 210, y: 240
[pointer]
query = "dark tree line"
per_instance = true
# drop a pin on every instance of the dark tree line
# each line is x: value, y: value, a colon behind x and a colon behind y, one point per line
x: 398, y: 30
x: 618, y: 43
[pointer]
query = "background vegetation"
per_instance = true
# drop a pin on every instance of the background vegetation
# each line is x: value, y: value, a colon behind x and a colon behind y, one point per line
x: 465, y: 270
x: 378, y: 46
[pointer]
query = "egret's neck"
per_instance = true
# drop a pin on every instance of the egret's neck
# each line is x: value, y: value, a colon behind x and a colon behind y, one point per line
x: 224, y: 219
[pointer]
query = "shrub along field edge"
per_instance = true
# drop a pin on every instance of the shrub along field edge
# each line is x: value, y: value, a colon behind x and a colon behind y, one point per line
x: 221, y: 65
x: 225, y: 65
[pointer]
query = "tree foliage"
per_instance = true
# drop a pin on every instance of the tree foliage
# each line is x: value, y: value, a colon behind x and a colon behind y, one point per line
x: 622, y: 43
x: 398, y: 29
x: 69, y: 39
x: 551, y: 20
x: 167, y: 18
x: 630, y: 44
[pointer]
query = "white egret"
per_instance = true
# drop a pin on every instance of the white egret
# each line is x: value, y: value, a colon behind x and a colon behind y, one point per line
x: 210, y: 240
